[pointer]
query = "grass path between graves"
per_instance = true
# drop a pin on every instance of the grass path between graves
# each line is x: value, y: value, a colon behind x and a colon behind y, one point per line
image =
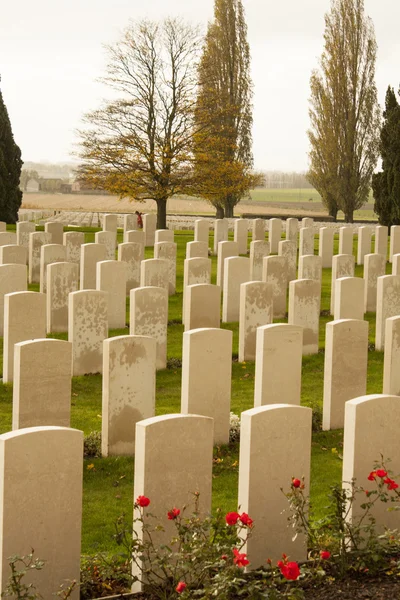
x: 108, y: 482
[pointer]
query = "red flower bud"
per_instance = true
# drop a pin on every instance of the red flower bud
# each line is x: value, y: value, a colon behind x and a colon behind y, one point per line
x: 381, y: 473
x: 371, y: 476
x: 296, y: 483
x: 325, y: 555
x: 173, y: 514
x: 246, y: 520
x: 142, y: 501
x: 181, y: 587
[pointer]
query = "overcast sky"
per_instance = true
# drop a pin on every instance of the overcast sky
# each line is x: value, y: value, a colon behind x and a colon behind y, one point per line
x: 51, y: 53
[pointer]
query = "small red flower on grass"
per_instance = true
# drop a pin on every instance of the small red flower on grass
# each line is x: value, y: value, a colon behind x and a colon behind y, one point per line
x: 232, y: 518
x: 173, y: 514
x: 240, y: 559
x: 181, y: 587
x: 143, y: 501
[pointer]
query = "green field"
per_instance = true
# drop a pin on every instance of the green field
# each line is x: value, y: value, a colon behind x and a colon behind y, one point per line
x: 285, y: 195
x: 108, y: 483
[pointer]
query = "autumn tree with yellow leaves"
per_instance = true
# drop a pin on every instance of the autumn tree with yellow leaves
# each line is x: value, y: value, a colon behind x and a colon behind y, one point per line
x: 223, y: 116
x: 139, y: 145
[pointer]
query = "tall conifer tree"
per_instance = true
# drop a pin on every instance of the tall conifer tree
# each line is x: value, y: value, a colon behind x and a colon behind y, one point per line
x: 10, y: 169
x: 223, y: 115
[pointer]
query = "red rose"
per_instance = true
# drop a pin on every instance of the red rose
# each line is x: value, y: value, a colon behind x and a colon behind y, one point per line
x: 232, y: 518
x: 173, y: 514
x: 371, y: 476
x: 325, y: 554
x: 240, y: 558
x: 381, y: 473
x: 296, y: 483
x: 392, y: 485
x: 142, y: 501
x: 181, y: 587
x: 289, y: 570
x: 246, y: 520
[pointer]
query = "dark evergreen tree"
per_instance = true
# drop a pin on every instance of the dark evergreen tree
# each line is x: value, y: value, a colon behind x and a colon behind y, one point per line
x: 10, y: 169
x: 386, y: 183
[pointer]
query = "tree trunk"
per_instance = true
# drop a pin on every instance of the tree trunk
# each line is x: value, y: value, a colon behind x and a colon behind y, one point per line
x: 229, y: 210
x: 333, y: 213
x: 348, y: 217
x: 219, y: 212
x: 162, y: 213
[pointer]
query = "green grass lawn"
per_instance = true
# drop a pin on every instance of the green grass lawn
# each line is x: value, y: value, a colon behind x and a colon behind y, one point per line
x: 108, y: 483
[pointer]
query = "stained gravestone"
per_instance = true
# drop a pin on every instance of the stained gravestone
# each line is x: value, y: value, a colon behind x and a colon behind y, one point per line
x: 391, y: 364
x: 346, y: 236
x: 371, y: 431
x: 23, y: 231
x: 306, y: 245
x: 129, y: 384
x: 201, y: 232
x: 237, y: 271
x: 374, y: 267
x: 255, y: 310
x: 258, y: 230
x: 56, y: 230
x: 62, y: 279
x: 304, y: 309
x: 310, y: 267
x: 43, y: 464
x: 135, y: 236
x: 167, y: 251
x: 258, y: 250
x: 12, y: 279
x: 42, y: 383
x: 275, y: 273
x: 109, y: 240
x: 325, y: 248
x: 7, y: 238
x: 130, y: 222
x: 342, y: 266
x: 364, y: 243
x: 110, y: 223
x: 274, y: 234
x: 24, y: 319
x: 36, y: 241
x: 13, y: 255
x: 73, y: 240
x: 262, y: 448
x: 195, y: 270
x: 240, y: 234
x: 345, y: 372
x: 149, y: 228
x: 292, y: 227
x: 220, y: 232
x: 196, y: 250
x: 154, y: 273
x: 349, y: 298
x: 307, y: 222
x: 225, y: 250
x: 381, y: 240
x: 206, y: 377
x: 173, y: 460
x: 87, y: 328
x: 91, y: 254
x: 394, y: 241
x: 278, y: 346
x: 149, y: 317
x: 202, y: 306
x: 287, y: 249
x: 387, y: 305
x: 50, y: 253
x: 163, y: 235
x: 132, y: 255
x: 111, y: 276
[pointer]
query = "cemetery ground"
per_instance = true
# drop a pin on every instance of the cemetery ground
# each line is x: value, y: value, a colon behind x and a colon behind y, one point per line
x: 108, y: 482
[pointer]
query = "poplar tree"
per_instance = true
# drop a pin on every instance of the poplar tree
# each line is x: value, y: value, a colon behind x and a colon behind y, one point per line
x: 223, y: 114
x: 386, y: 184
x: 10, y: 169
x: 344, y: 112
